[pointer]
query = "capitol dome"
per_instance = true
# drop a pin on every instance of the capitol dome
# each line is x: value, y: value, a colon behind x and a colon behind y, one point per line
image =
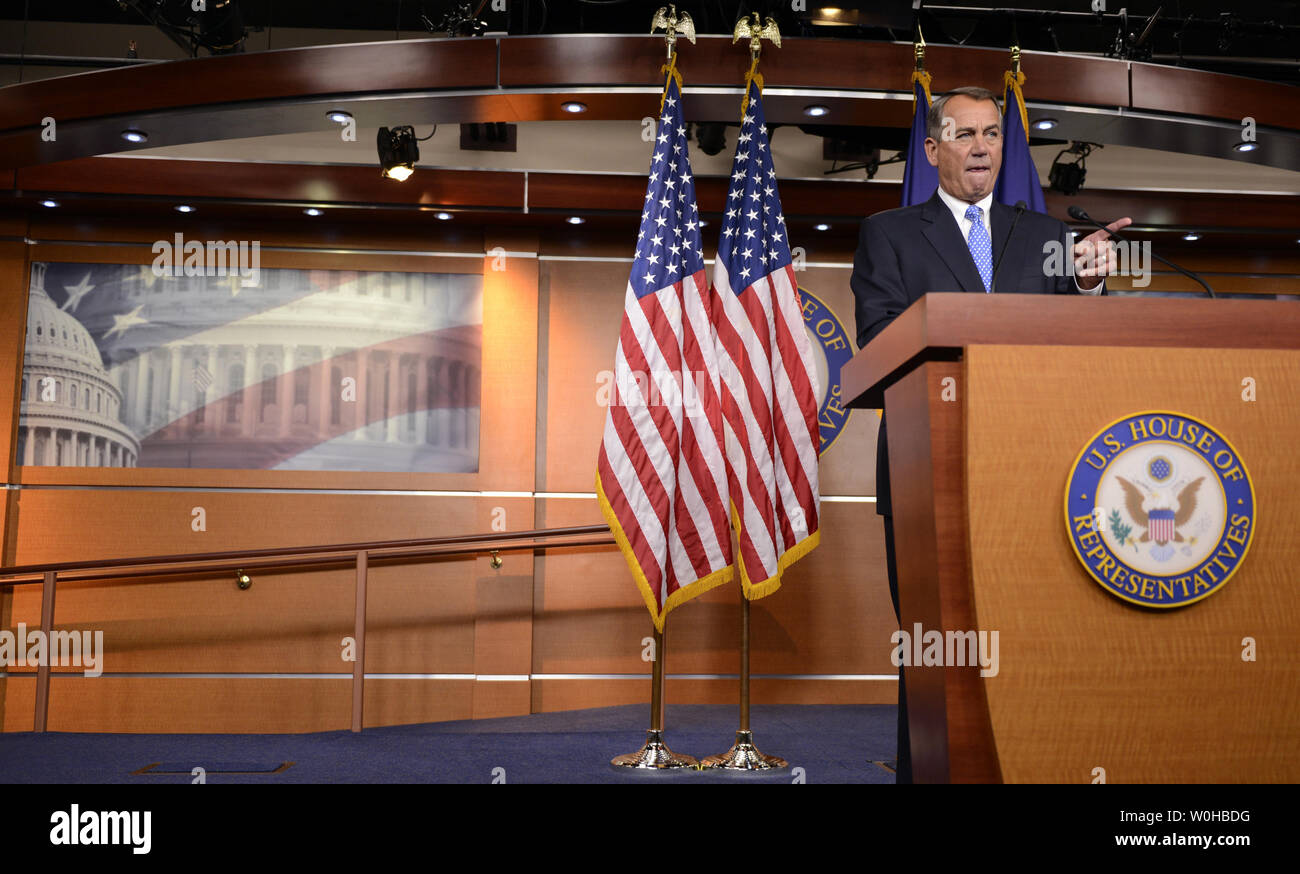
x: 70, y: 409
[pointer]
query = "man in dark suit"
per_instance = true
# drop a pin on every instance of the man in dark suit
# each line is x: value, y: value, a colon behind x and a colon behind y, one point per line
x: 952, y: 242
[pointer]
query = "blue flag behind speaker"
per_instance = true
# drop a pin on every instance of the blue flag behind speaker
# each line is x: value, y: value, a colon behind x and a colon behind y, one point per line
x: 1019, y: 177
x: 920, y: 177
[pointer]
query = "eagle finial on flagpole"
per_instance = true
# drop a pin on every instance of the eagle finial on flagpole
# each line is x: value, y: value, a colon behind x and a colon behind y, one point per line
x: 756, y: 33
x: 667, y: 19
x: 918, y: 50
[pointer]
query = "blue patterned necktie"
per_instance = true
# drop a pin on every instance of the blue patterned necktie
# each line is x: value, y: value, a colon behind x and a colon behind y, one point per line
x: 981, y: 247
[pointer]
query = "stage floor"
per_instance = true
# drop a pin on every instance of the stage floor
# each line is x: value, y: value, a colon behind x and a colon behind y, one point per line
x: 823, y: 744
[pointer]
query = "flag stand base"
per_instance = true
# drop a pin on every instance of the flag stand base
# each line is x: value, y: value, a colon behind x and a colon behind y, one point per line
x: 744, y: 756
x: 655, y: 754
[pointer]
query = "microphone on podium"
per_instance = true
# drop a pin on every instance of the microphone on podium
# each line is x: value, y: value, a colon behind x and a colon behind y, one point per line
x: 1078, y: 213
x: 1021, y: 206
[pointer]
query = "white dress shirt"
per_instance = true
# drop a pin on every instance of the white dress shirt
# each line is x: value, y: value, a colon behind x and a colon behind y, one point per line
x: 958, y: 208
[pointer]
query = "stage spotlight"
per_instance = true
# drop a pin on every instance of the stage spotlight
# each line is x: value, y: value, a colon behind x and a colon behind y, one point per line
x: 398, y: 152
x: 711, y: 136
x: 1044, y: 124
x: 817, y: 110
x: 221, y: 27
x: 131, y: 135
x: 1067, y: 176
x: 339, y: 116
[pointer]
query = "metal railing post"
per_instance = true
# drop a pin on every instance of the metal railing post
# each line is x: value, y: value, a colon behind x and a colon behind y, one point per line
x: 43, y: 669
x: 359, y: 635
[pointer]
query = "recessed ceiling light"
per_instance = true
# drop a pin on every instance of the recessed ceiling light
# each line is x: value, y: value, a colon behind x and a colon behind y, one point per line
x: 49, y: 203
x: 575, y: 220
x: 339, y: 115
x: 817, y: 110
x: 185, y: 207
x: 1246, y: 146
x: 443, y: 216
x: 573, y: 106
x: 1044, y: 124
x: 131, y: 135
x: 822, y: 227
x: 1191, y: 238
x: 311, y: 210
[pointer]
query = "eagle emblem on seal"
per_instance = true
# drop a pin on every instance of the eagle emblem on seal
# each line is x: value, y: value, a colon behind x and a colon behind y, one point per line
x: 1161, y: 523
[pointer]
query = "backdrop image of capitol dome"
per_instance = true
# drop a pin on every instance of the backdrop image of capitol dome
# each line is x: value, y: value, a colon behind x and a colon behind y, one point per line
x: 305, y: 370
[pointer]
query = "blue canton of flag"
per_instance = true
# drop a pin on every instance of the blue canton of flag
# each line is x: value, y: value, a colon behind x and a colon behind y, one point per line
x: 753, y: 230
x: 668, y: 245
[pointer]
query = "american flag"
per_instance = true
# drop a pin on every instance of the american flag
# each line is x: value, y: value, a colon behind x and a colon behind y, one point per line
x: 769, y: 390
x: 660, y: 474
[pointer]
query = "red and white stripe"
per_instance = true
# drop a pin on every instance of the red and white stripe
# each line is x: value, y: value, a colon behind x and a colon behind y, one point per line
x: 769, y: 402
x: 660, y: 474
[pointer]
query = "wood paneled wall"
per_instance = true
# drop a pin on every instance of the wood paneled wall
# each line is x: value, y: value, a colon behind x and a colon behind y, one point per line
x: 452, y: 639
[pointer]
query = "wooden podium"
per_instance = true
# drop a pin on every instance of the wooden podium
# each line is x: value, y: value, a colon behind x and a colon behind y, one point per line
x: 990, y: 400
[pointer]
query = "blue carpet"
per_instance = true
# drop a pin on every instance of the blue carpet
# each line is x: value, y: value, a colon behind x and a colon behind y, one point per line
x: 831, y: 744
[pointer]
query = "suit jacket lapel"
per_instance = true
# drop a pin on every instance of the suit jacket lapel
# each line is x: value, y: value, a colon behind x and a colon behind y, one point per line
x: 1008, y: 275
x: 943, y: 233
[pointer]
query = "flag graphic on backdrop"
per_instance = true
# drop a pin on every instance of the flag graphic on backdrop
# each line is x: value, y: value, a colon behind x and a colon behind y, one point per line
x: 920, y: 177
x: 306, y: 370
x: 660, y: 474
x: 1019, y: 177
x: 769, y: 390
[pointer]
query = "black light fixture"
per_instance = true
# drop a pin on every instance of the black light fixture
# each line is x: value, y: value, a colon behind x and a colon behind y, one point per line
x: 398, y: 152
x: 711, y: 136
x: 1067, y: 176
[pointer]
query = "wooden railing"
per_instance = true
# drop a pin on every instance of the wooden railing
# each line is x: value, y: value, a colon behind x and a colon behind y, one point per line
x: 361, y: 555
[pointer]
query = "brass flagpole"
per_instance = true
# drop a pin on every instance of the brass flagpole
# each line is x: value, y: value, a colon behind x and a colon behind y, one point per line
x: 743, y: 755
x: 655, y: 753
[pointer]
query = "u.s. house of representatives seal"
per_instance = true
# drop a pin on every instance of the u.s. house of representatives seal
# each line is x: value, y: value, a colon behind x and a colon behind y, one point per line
x: 1160, y: 509
x: 832, y: 349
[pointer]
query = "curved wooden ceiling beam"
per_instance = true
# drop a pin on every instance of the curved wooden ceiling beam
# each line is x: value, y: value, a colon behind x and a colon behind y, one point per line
x: 527, y: 79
